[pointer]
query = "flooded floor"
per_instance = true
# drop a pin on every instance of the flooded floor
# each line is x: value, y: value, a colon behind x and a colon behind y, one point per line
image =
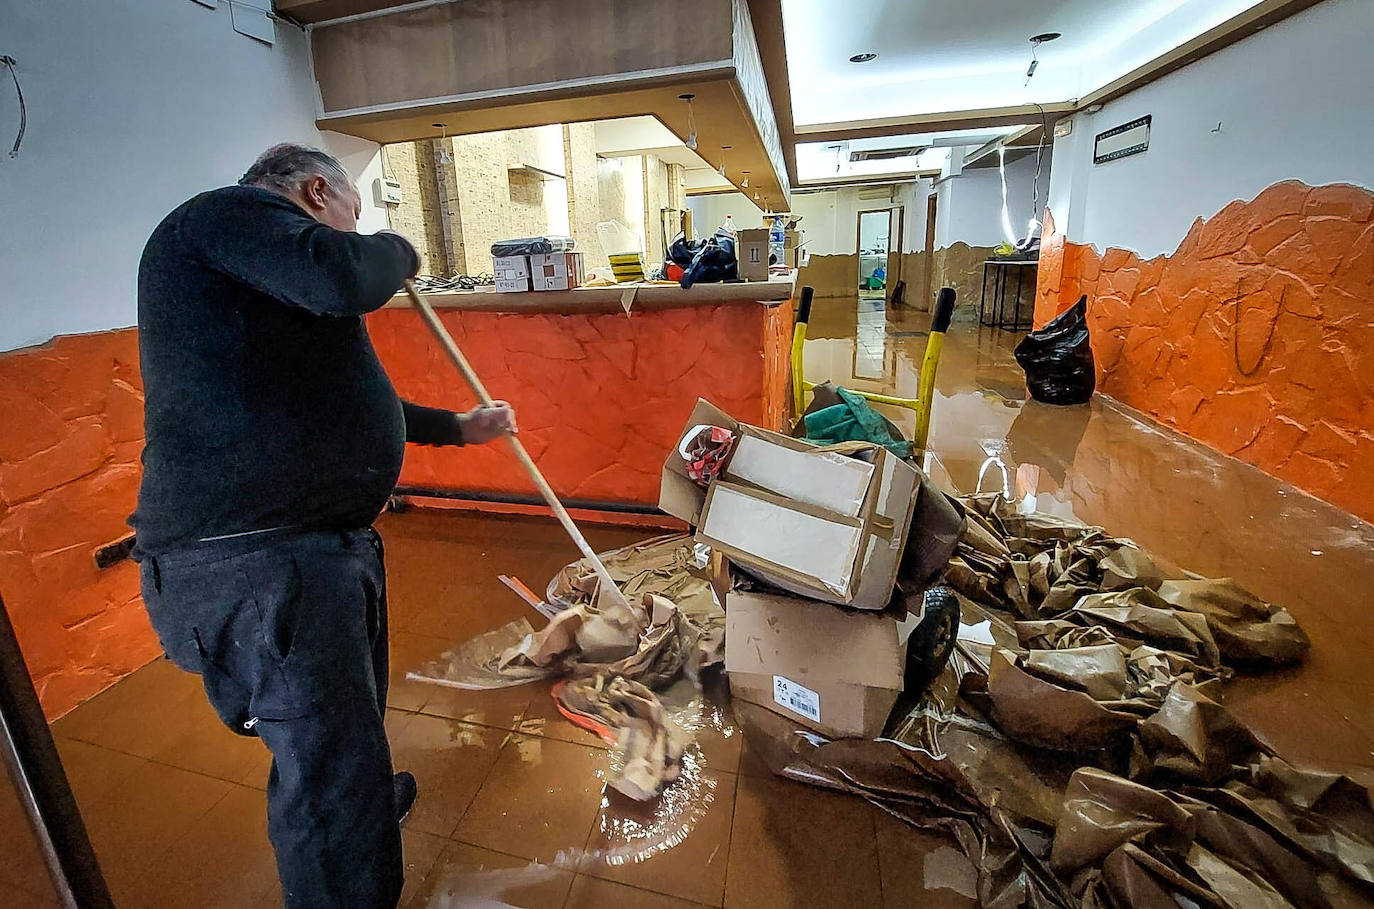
x: 511, y: 808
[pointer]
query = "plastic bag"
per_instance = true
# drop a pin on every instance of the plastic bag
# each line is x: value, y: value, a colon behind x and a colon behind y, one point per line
x: 1058, y: 359
x: 532, y: 246
x: 705, y: 261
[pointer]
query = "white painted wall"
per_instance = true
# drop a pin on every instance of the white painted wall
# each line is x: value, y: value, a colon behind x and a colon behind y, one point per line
x: 709, y: 210
x: 1292, y: 101
x: 134, y: 106
x: 969, y: 209
x: 829, y: 217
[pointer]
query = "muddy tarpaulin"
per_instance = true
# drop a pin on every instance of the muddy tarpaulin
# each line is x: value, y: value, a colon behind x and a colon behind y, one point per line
x: 615, y: 655
x: 1081, y: 760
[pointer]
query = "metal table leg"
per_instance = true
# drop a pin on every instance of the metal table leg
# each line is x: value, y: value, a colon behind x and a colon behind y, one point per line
x: 983, y: 299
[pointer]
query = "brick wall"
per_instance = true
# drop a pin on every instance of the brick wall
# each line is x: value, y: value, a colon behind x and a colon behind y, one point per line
x: 69, y: 474
x: 584, y: 199
x: 488, y: 201
x: 413, y: 165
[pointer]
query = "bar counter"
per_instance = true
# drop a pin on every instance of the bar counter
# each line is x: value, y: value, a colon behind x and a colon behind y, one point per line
x: 601, y: 393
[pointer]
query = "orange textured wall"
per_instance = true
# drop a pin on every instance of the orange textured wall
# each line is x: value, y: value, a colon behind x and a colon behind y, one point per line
x: 601, y: 398
x: 1256, y: 336
x: 69, y: 472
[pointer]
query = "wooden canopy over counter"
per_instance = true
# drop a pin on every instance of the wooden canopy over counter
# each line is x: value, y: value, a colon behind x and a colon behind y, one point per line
x: 601, y: 394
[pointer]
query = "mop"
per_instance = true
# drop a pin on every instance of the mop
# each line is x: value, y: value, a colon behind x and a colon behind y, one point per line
x: 456, y: 355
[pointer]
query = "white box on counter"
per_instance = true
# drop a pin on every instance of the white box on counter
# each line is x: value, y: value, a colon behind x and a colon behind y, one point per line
x: 512, y: 273
x: 556, y: 271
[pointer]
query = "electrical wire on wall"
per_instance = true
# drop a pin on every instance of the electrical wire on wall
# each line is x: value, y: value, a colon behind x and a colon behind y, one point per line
x: 1033, y: 223
x: 23, y: 110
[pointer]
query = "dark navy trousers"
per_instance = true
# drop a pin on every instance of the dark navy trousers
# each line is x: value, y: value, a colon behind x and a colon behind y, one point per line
x: 288, y: 632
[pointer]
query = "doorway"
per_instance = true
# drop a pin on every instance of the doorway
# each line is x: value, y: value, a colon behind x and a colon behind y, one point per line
x: 879, y: 242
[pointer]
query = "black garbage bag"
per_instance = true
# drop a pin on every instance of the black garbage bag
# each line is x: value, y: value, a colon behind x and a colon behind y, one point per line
x: 705, y: 261
x: 1058, y: 360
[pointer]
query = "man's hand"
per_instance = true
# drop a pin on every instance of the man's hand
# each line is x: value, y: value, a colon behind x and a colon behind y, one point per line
x: 482, y: 424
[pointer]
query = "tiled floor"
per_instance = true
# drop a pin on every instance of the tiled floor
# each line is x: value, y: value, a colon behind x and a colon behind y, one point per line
x: 511, y: 807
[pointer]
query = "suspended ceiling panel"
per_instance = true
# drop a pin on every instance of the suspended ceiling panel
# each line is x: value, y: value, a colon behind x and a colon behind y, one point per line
x: 937, y: 55
x: 310, y: 11
x: 482, y: 65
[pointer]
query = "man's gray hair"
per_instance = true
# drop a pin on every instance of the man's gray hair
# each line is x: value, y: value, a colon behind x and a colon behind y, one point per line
x: 285, y: 167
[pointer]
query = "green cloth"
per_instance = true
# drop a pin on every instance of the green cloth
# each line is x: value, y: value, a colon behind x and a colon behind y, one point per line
x: 853, y: 420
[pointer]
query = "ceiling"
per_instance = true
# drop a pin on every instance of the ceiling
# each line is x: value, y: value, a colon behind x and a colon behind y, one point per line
x: 959, y: 55
x: 820, y: 162
x: 648, y: 136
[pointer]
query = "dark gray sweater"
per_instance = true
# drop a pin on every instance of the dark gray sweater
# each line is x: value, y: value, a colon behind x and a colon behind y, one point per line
x: 265, y: 404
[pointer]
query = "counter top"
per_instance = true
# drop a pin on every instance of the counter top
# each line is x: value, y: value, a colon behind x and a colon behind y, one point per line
x: 611, y: 298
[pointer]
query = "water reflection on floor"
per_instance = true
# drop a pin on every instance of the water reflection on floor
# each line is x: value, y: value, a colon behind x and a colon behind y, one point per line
x: 512, y: 809
x: 1104, y: 464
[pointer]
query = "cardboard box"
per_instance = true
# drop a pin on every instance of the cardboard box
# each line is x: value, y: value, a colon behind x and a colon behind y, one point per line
x: 751, y: 251
x: 556, y: 271
x: 791, y: 249
x: 818, y: 522
x: 512, y: 273
x: 836, y: 672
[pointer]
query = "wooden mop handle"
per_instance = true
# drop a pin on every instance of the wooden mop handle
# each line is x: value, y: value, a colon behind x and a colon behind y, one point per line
x: 456, y: 355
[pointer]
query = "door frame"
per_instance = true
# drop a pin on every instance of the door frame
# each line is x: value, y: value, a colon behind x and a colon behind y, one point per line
x: 932, y: 209
x: 896, y: 224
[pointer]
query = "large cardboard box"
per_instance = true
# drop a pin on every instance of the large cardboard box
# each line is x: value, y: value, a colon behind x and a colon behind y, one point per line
x: 827, y: 523
x: 512, y: 273
x: 556, y: 271
x: 833, y: 671
x: 751, y: 252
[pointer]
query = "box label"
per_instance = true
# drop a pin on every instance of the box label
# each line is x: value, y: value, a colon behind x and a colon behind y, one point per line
x: 797, y: 698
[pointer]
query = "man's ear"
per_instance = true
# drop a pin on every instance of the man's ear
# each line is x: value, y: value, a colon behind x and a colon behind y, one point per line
x: 317, y: 192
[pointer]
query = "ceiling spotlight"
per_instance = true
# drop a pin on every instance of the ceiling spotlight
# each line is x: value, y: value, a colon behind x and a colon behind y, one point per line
x: 866, y: 57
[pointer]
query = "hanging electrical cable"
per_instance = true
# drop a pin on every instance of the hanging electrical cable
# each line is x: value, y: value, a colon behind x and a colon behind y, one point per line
x: 691, y: 142
x: 1034, y: 223
x: 23, y: 110
x: 1006, y: 215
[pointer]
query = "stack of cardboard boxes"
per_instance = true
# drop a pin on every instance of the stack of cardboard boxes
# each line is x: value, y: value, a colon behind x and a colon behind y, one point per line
x: 824, y: 530
x: 542, y: 271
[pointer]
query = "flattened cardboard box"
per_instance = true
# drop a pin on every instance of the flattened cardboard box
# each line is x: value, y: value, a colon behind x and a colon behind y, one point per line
x: 811, y: 520
x: 836, y: 672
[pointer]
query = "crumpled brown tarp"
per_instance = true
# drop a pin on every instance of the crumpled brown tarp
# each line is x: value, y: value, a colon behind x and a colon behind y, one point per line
x: 648, y: 748
x: 1081, y: 760
x: 615, y: 654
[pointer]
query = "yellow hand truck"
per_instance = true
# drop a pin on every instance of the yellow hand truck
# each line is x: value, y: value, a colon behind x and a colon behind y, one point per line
x: 925, y: 389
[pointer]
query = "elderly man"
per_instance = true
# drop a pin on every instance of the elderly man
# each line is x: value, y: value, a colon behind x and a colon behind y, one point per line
x: 274, y: 438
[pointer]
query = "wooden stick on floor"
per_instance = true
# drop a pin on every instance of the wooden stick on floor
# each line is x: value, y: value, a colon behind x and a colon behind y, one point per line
x: 451, y: 348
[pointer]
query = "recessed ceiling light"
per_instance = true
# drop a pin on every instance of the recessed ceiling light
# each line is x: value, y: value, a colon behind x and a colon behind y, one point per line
x: 863, y: 58
x: 1047, y: 36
